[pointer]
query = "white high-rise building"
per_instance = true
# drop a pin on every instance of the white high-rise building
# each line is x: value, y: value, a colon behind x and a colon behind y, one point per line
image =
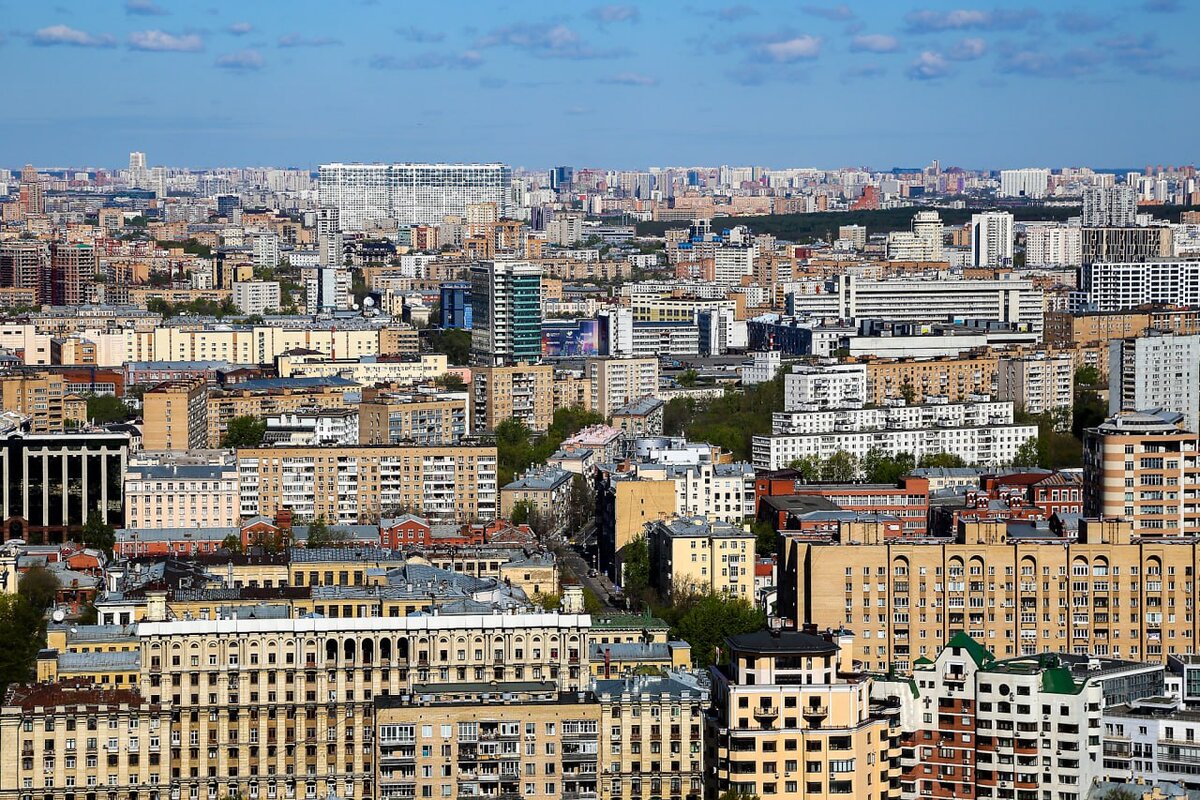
x: 265, y: 249
x: 825, y: 386
x: 411, y: 194
x: 1031, y: 182
x: 731, y: 264
x: 923, y: 242
x: 991, y: 239
x: 326, y: 289
x: 1109, y: 207
x: 1156, y: 371
x: 1053, y: 245
x: 1116, y: 285
x: 329, y: 237
x: 139, y: 176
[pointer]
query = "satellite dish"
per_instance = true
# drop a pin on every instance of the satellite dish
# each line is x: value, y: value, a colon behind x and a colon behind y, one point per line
x: 355, y: 306
x: 368, y: 302
x: 59, y: 615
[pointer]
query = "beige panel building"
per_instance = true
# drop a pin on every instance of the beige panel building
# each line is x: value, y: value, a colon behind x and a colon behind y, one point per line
x: 617, y: 382
x: 38, y: 396
x: 954, y: 378
x: 223, y: 406
x: 396, y: 417
x: 524, y: 392
x: 362, y: 484
x: 175, y: 416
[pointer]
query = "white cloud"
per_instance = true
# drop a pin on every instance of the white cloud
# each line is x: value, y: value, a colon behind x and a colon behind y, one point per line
x: 795, y: 49
x: 72, y: 37
x: 874, y: 43
x: 162, y: 42
x: 968, y: 50
x: 242, y: 61
x: 930, y: 65
x: 240, y: 28
x: 631, y: 79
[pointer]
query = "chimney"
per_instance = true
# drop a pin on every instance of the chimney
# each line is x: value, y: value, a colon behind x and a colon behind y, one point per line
x: 156, y: 605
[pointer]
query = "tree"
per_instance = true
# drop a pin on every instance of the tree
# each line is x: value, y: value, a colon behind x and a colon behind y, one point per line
x: 765, y: 537
x: 878, y: 467
x: 808, y: 466
x: 591, y: 603
x: 106, y: 409
x: 522, y: 510
x: 942, y: 460
x: 23, y: 631
x: 232, y: 543
x: 840, y: 467
x: 687, y: 378
x: 321, y: 535
x: 450, y: 382
x: 550, y: 602
x: 244, y: 431
x: 1087, y: 376
x: 97, y: 533
x: 455, y: 343
x: 39, y: 586
x: 711, y: 619
x: 635, y: 568
x: 677, y: 415
x: 733, y: 794
x: 582, y: 503
x: 1027, y: 454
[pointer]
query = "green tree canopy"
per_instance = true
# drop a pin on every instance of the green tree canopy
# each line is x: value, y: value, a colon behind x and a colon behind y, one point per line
x: 106, y: 409
x: 23, y: 631
x: 942, y: 460
x: 635, y: 568
x: 455, y: 343
x: 39, y: 586
x: 97, y: 533
x: 244, y: 431
x: 712, y: 618
x: 321, y: 535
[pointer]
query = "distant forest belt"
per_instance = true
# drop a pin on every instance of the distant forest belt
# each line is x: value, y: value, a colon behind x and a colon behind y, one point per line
x: 805, y: 227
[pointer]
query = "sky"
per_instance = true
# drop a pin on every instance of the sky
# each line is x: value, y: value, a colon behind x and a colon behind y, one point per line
x: 875, y: 83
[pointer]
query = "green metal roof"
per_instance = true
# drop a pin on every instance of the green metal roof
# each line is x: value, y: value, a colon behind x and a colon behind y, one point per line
x: 978, y: 653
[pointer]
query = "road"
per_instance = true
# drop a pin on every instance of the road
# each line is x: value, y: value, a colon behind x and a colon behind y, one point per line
x: 572, y: 561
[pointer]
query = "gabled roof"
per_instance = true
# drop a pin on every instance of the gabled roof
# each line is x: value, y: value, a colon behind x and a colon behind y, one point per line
x: 978, y: 653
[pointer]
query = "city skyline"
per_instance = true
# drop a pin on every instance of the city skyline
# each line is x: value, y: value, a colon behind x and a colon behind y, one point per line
x: 830, y: 85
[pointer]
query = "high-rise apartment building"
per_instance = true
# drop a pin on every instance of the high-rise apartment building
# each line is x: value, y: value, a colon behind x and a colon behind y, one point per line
x: 1051, y: 245
x: 31, y: 193
x: 923, y: 242
x: 410, y: 194
x: 1109, y: 206
x: 1156, y: 371
x: 329, y: 237
x: 617, y: 382
x: 38, y: 396
x: 24, y: 264
x: 326, y: 289
x: 506, y: 310
x: 1142, y: 467
x: 386, y: 417
x: 1037, y: 384
x: 992, y: 239
x: 1121, y: 285
x: 524, y: 392
x: 1031, y: 182
x: 176, y: 415
x: 788, y: 720
x: 72, y: 268
x: 1151, y: 243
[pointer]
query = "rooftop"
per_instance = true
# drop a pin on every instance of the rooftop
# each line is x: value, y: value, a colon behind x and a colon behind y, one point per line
x: 782, y: 643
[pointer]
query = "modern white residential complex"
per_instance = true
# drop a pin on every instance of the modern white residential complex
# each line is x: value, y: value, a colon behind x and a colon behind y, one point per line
x: 1156, y: 371
x: 410, y: 194
x: 991, y: 239
x: 816, y: 387
x: 1032, y: 182
x: 1117, y: 285
x: 933, y: 299
x: 1053, y: 245
x: 981, y: 432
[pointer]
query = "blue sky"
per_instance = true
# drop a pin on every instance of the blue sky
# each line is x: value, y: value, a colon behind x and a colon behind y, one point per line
x: 880, y: 83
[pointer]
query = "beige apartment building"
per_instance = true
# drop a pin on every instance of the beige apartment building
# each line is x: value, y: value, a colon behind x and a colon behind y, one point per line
x: 1142, y: 468
x: 540, y: 743
x: 920, y: 378
x: 1107, y: 594
x: 181, y: 496
x: 524, y: 392
x: 1037, y: 384
x: 652, y: 736
x: 38, y: 396
x: 365, y: 483
x: 175, y: 415
x: 388, y: 417
x: 617, y: 382
x: 223, y: 406
x: 296, y: 708
x: 692, y: 555
x: 789, y: 721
